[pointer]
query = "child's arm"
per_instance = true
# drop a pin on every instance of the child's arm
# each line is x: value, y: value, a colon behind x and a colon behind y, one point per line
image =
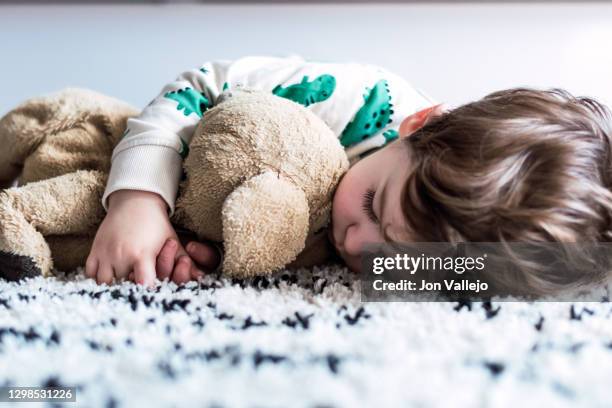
x: 144, y: 179
x: 150, y: 155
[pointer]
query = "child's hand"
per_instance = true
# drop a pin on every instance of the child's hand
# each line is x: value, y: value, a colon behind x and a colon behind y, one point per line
x: 179, y: 268
x: 130, y: 237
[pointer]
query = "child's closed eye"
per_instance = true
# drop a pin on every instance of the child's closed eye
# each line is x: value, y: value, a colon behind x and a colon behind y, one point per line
x: 367, y: 205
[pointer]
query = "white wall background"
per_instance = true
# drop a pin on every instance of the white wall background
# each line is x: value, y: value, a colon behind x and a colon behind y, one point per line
x: 454, y: 52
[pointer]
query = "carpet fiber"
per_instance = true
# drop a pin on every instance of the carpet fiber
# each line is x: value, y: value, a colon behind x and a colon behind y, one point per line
x: 299, y: 339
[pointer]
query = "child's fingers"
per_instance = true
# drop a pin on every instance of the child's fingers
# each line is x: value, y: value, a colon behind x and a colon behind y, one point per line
x: 91, y: 267
x: 204, y: 255
x: 165, y: 259
x: 182, y: 270
x: 105, y: 274
x: 121, y: 272
x: 196, y: 273
x: 144, y: 272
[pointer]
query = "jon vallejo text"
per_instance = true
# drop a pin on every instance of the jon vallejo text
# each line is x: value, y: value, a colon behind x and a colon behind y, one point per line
x: 411, y: 264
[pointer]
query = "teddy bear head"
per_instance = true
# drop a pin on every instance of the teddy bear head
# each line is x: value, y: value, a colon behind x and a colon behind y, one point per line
x: 260, y: 176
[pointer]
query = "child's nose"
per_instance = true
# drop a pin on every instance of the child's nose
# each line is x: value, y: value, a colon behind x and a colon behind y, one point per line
x: 353, y: 240
x: 358, y: 235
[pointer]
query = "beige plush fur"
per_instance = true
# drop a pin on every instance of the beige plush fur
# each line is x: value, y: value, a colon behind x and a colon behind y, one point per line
x: 260, y: 177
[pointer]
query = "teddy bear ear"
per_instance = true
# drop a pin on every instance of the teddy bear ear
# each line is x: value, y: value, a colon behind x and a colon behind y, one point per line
x: 265, y: 224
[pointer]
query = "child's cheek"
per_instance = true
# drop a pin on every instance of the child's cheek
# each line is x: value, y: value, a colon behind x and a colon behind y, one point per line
x: 340, y: 207
x: 340, y: 199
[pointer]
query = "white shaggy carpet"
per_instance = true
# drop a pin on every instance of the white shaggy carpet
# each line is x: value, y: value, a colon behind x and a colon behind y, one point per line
x: 298, y: 339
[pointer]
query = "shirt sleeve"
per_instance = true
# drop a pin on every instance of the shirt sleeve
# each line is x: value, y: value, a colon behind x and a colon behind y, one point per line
x: 149, y: 156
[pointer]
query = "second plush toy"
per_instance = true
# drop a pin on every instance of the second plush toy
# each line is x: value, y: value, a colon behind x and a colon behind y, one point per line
x: 259, y: 177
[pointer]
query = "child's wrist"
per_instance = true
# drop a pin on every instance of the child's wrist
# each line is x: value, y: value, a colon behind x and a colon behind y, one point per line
x: 120, y: 198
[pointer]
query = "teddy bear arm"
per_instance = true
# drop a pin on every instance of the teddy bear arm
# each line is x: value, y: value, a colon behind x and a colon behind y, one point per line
x: 64, y: 205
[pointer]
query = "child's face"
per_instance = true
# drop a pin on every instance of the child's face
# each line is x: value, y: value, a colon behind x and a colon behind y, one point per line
x: 366, y: 204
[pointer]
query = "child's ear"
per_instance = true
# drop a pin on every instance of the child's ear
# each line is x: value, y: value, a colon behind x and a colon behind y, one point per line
x: 418, y: 119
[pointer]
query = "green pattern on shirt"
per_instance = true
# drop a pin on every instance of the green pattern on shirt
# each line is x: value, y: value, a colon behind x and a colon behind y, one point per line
x: 184, y: 151
x: 308, y: 93
x: 390, y: 135
x: 373, y: 116
x: 190, y: 100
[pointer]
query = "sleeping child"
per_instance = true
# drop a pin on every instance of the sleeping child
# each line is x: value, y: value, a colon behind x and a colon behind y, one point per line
x: 520, y: 165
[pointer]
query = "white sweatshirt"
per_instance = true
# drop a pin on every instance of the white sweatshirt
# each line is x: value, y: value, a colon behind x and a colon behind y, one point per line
x: 363, y: 104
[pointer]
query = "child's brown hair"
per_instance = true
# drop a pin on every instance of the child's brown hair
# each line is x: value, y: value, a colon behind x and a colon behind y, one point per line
x: 519, y: 165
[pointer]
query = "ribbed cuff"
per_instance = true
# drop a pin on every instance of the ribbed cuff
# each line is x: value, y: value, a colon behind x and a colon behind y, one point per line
x: 152, y: 168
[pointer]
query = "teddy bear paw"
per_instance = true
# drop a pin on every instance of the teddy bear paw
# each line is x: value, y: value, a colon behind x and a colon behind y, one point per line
x: 15, y: 267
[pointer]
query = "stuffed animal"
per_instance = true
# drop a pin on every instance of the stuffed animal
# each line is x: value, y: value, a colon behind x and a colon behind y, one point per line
x: 259, y: 177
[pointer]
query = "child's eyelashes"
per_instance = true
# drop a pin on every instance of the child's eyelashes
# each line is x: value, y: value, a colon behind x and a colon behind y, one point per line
x: 367, y: 205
